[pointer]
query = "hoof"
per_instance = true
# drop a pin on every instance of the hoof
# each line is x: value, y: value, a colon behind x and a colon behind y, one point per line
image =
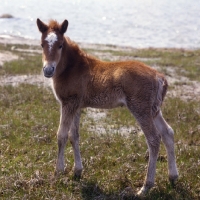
x: 173, y: 180
x: 144, y: 190
x: 58, y: 173
x: 77, y: 173
x: 76, y: 177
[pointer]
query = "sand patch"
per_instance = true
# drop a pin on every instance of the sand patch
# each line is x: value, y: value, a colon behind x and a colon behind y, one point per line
x: 27, y: 79
x: 7, y: 56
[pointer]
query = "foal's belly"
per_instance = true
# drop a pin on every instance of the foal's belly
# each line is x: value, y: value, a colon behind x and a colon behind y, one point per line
x: 105, y: 102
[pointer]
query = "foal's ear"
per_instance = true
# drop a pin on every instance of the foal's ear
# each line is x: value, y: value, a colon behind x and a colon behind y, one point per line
x: 63, y: 26
x: 41, y: 26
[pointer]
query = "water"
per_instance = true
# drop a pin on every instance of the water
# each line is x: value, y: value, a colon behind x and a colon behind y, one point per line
x: 136, y: 23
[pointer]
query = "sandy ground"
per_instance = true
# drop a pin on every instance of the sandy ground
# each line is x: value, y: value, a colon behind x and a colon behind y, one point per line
x: 188, y: 90
x: 6, y: 56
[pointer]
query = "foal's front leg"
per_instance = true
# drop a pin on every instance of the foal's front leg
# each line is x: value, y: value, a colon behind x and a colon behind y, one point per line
x: 74, y: 139
x: 66, y: 119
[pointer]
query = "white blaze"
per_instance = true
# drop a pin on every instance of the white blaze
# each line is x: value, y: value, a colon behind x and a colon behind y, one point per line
x: 51, y: 39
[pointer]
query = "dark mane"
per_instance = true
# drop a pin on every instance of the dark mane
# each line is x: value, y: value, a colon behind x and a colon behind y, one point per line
x: 79, y: 53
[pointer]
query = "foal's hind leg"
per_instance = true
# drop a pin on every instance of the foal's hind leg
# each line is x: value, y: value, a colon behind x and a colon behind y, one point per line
x: 74, y: 139
x: 167, y: 135
x: 153, y: 142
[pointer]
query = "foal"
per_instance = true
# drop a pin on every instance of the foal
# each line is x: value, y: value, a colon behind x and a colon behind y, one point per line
x: 80, y: 81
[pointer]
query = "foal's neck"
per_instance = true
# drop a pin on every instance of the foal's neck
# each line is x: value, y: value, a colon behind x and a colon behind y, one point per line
x: 73, y: 53
x: 72, y: 58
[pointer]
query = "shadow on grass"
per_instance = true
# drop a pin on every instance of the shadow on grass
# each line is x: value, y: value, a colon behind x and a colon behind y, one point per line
x: 175, y: 193
x: 92, y: 191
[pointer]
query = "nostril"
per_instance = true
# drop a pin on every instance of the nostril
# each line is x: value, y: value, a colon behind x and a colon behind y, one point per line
x: 51, y: 70
x: 48, y: 71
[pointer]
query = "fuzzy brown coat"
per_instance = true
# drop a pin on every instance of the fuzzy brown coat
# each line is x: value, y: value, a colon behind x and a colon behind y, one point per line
x: 80, y: 80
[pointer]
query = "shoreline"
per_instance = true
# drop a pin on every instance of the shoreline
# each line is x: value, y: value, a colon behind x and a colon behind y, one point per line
x: 18, y: 40
x: 10, y: 39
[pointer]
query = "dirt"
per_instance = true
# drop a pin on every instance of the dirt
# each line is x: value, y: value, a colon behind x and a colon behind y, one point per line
x: 30, y: 79
x: 6, y: 56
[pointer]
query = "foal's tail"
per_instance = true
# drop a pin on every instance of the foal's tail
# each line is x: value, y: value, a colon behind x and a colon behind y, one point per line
x: 161, y: 88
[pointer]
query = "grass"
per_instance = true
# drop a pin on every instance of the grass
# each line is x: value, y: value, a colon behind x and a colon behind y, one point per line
x: 30, y: 65
x: 27, y: 62
x: 114, y: 164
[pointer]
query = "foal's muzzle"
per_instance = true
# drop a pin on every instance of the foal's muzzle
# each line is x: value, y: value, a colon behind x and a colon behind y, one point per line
x: 48, y: 71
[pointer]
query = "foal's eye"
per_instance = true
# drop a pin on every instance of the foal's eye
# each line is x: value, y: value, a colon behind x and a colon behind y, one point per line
x: 42, y: 45
x: 60, y: 47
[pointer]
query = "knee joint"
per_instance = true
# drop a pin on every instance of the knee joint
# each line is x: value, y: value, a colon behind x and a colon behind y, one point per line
x: 73, y: 137
x: 170, y: 131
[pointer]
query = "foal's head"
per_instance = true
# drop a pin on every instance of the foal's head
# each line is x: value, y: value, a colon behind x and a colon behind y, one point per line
x: 52, y: 43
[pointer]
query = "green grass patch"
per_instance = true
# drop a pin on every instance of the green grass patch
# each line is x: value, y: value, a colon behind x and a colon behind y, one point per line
x: 27, y: 62
x: 14, y: 47
x: 114, y: 165
x: 21, y: 66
